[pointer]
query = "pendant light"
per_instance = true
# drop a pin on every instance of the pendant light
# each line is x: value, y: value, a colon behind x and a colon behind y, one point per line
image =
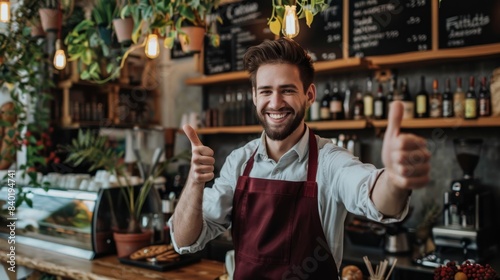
x: 4, y: 10
x: 152, y: 48
x: 290, y: 22
x: 59, y: 56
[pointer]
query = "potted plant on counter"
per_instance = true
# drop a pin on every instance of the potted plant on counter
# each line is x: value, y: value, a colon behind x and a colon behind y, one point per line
x: 93, y: 149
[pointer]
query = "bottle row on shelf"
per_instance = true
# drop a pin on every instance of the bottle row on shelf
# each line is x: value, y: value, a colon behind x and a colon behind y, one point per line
x: 351, y: 103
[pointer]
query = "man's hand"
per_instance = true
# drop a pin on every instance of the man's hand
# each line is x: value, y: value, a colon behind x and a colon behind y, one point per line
x: 405, y: 156
x: 202, y: 159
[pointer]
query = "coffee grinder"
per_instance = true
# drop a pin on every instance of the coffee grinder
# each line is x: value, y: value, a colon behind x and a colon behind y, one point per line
x: 467, y: 230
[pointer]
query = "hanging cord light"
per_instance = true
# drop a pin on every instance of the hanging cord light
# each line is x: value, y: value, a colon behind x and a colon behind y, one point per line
x: 290, y: 22
x: 152, y: 48
x: 4, y: 10
x: 59, y: 56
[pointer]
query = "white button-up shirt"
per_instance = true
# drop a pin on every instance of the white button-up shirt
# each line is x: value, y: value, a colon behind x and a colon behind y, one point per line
x: 344, y: 184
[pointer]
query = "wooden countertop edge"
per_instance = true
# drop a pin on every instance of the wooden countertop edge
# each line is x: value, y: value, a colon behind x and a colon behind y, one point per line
x: 52, y: 268
x: 102, y: 268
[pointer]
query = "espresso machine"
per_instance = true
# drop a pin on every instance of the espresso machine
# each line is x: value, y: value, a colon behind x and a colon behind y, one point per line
x: 467, y: 231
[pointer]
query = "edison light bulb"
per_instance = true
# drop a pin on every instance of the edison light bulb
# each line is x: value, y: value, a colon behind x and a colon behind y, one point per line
x: 152, y: 46
x: 59, y: 56
x: 291, y: 22
x: 4, y: 11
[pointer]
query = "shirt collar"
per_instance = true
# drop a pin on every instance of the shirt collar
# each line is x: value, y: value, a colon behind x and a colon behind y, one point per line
x: 301, y: 148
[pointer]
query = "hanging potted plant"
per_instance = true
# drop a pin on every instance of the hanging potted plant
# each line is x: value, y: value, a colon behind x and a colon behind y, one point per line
x: 123, y: 24
x: 93, y: 149
x: 195, y: 18
x: 49, y: 15
x: 91, y: 44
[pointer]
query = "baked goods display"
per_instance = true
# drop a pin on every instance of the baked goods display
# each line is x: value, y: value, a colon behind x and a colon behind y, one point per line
x: 466, y: 271
x: 352, y: 272
x: 156, y: 253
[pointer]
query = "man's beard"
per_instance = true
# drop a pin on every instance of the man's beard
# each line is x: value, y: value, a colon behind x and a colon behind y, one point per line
x: 286, y: 129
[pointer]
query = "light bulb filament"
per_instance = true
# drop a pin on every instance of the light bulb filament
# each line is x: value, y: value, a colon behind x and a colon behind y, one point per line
x: 291, y: 22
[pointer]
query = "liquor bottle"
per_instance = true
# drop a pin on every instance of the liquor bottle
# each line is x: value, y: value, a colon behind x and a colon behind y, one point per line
x: 459, y: 100
x: 436, y: 101
x: 471, y: 101
x: 347, y: 90
x: 336, y: 102
x: 325, y: 104
x: 408, y: 103
x: 447, y: 101
x: 422, y: 101
x: 368, y: 100
x: 357, y: 108
x: 314, y: 111
x: 379, y: 104
x: 484, y: 99
x: 392, y: 94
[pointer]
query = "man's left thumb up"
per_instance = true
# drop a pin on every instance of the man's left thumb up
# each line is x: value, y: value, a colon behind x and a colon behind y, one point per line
x: 394, y: 120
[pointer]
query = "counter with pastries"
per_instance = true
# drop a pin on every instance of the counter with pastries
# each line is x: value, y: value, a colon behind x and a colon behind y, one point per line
x: 106, y: 267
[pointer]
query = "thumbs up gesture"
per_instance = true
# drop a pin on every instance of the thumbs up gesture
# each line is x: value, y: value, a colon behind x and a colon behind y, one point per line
x: 202, y: 159
x: 405, y: 156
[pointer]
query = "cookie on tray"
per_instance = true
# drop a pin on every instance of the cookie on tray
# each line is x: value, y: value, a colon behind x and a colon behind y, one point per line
x: 168, y: 256
x: 150, y: 251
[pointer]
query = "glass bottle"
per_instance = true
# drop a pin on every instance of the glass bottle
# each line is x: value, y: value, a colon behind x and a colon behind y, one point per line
x: 368, y: 100
x: 336, y: 102
x: 459, y: 100
x: 484, y: 99
x: 408, y: 103
x: 392, y: 94
x: 379, y: 104
x: 436, y: 101
x: 422, y: 101
x: 325, y: 103
x: 358, y: 110
x: 471, y: 101
x: 448, y: 100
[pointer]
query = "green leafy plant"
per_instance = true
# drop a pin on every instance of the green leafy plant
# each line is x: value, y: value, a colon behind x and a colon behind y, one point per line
x: 305, y: 9
x: 24, y: 73
x: 166, y: 17
x: 92, y: 148
x: 91, y: 44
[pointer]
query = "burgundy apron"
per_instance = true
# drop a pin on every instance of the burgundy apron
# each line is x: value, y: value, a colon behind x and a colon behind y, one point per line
x: 277, y: 232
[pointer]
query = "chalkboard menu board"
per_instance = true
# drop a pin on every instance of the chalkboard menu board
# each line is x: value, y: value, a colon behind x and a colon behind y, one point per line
x: 380, y: 27
x: 244, y: 24
x: 465, y: 23
x: 323, y: 40
x: 177, y: 52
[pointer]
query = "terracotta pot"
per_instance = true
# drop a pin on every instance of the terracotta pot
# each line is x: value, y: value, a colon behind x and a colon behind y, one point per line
x: 49, y: 18
x: 37, y: 31
x: 123, y: 29
x: 127, y: 243
x: 196, y: 37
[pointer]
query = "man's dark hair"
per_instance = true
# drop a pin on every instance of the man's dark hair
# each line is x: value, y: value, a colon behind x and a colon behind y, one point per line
x: 282, y: 50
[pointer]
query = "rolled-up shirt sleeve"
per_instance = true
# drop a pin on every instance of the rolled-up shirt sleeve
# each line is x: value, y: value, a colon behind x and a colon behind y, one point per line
x: 217, y: 206
x: 355, y: 181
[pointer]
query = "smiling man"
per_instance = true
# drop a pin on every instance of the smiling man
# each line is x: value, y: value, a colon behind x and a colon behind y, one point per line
x: 286, y: 195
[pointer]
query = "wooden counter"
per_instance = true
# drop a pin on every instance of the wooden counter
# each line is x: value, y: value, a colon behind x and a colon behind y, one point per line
x: 107, y: 267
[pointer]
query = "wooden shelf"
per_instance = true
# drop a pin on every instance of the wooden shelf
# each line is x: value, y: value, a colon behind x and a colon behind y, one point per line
x: 475, y: 52
x: 341, y: 65
x: 338, y: 125
x: 326, y: 125
x: 361, y: 124
x: 442, y: 123
x: 230, y: 130
x: 350, y: 64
